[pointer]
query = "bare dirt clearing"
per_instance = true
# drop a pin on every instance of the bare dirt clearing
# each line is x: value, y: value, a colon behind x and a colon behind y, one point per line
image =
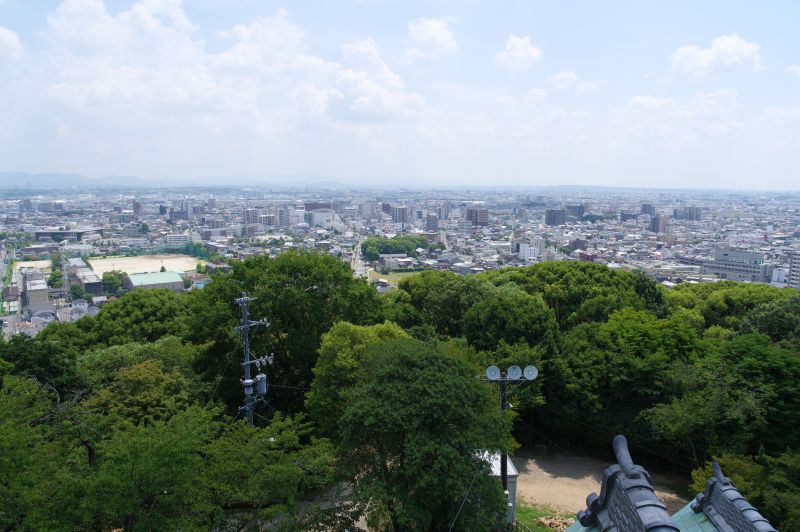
x: 562, y: 481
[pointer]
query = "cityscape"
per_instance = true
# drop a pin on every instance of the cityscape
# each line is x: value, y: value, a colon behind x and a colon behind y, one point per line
x: 174, y: 238
x: 374, y: 266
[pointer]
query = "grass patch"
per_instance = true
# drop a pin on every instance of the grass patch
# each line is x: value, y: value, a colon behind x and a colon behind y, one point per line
x: 529, y: 516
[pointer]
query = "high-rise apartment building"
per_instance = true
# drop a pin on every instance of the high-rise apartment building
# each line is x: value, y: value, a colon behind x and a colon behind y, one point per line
x: 794, y: 269
x: 648, y: 208
x: 401, y: 214
x: 553, y: 217
x: 660, y: 224
x: 479, y: 216
x: 693, y: 214
x: 432, y: 223
x: 576, y: 210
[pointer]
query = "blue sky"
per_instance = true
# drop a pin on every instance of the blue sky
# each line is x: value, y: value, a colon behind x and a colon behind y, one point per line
x: 683, y: 94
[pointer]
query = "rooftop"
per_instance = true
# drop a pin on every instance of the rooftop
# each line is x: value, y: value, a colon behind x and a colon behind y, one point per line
x: 145, y: 279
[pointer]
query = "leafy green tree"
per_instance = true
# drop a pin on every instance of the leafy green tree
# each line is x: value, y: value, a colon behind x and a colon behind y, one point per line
x: 442, y: 298
x: 149, y: 476
x: 301, y: 295
x: 55, y: 260
x: 98, y: 367
x: 55, y: 279
x: 22, y: 453
x: 143, y: 393
x: 715, y: 410
x: 609, y: 372
x: 112, y: 282
x: 507, y: 314
x: 340, y: 358
x: 46, y: 361
x: 726, y: 303
x: 378, y: 245
x: 142, y: 316
x: 412, y: 436
x: 773, y: 373
x: 76, y: 292
x: 144, y: 228
x: 578, y: 292
x: 779, y: 319
x: 290, y: 466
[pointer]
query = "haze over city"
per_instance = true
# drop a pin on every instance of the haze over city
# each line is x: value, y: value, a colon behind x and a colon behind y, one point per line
x: 678, y: 94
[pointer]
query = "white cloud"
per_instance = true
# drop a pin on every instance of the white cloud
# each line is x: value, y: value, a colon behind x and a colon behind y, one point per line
x: 564, y: 80
x: 568, y: 79
x: 706, y: 113
x: 505, y: 99
x: 430, y: 37
x: 649, y: 102
x: 535, y: 97
x: 784, y: 115
x: 10, y: 45
x: 519, y: 53
x: 590, y: 86
x: 727, y: 52
x: 793, y: 69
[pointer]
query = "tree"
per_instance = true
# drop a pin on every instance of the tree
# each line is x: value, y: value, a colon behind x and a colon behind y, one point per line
x: 143, y: 393
x: 374, y: 246
x: 112, y: 282
x: 578, y: 292
x: 442, y: 298
x: 412, y: 437
x: 55, y: 279
x: 341, y: 355
x: 46, y: 361
x: 55, y: 260
x: 76, y: 292
x: 142, y: 316
x: 144, y: 228
x: 780, y: 319
x: 22, y: 453
x: 507, y: 314
x: 301, y: 295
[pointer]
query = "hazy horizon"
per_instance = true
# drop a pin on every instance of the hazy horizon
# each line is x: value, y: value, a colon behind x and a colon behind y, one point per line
x: 418, y: 94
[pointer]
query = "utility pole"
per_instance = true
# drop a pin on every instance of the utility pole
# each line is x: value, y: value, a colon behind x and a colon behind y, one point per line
x: 260, y: 382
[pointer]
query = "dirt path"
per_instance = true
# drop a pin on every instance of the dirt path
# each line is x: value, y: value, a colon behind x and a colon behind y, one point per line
x: 562, y: 482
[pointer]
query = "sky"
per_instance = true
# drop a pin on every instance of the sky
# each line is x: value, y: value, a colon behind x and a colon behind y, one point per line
x: 371, y: 92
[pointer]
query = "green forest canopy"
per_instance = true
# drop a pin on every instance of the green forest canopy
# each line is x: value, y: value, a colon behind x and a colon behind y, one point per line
x: 129, y: 419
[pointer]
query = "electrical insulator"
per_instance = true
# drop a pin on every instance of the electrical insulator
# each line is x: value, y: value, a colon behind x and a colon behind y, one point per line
x: 261, y: 384
x: 248, y: 386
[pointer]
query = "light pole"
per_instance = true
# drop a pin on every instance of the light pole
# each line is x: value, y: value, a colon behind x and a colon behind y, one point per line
x: 260, y: 381
x: 513, y: 375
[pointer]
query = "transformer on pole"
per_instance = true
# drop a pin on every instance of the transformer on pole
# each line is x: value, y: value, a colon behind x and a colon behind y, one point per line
x: 254, y: 389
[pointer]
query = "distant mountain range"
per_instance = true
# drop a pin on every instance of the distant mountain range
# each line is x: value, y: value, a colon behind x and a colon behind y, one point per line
x: 25, y: 180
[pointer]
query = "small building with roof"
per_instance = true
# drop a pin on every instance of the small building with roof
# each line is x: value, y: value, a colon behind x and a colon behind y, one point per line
x: 169, y: 280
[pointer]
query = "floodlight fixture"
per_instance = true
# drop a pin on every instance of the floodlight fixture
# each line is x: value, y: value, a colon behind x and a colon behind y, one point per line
x: 530, y: 372
x: 514, y: 373
x: 492, y: 373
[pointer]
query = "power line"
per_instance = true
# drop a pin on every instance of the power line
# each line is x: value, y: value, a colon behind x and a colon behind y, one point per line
x: 464, y: 500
